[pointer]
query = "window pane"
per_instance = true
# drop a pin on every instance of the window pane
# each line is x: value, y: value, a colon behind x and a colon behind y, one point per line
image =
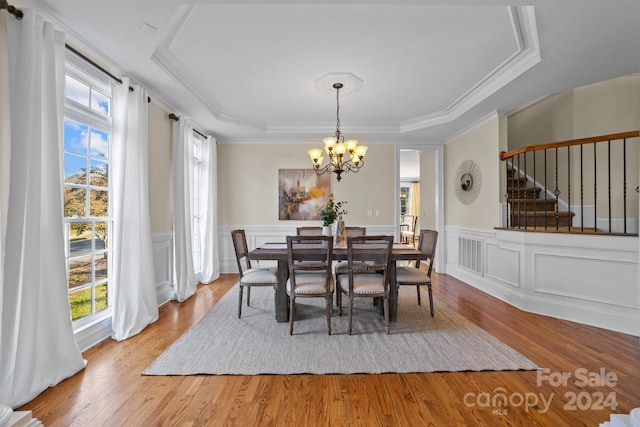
x: 79, y: 237
x: 74, y: 202
x: 101, y: 233
x: 101, y: 266
x: 99, y: 144
x: 101, y: 297
x: 80, y: 302
x: 99, y: 177
x: 100, y: 102
x: 77, y: 91
x: 75, y: 169
x: 99, y: 203
x: 75, y: 137
x: 79, y: 271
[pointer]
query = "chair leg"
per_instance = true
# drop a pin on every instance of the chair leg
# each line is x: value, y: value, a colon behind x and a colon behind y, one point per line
x: 430, y: 299
x: 292, y: 310
x: 350, y: 313
x: 386, y: 315
x: 240, y: 302
x: 339, y: 299
x: 248, y: 295
x: 329, y: 307
x: 418, y: 290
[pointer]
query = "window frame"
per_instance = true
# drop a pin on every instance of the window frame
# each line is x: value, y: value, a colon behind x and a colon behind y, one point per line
x: 80, y: 70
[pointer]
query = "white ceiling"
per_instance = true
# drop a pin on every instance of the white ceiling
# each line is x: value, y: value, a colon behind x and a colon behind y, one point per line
x: 247, y: 70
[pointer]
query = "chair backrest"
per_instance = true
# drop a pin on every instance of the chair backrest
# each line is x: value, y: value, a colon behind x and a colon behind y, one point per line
x: 369, y: 254
x: 355, y: 231
x: 428, y: 242
x: 242, y: 250
x: 410, y: 221
x: 309, y: 231
x: 309, y: 254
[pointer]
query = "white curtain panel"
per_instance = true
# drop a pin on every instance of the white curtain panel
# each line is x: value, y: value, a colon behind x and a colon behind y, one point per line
x: 37, y: 347
x: 185, y: 279
x: 135, y: 302
x: 209, y: 224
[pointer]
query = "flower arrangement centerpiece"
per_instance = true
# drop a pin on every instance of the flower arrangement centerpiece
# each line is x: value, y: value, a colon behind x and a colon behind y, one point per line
x: 331, y: 211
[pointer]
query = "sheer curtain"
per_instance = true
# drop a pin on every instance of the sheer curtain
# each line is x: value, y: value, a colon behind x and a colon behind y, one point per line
x: 37, y: 347
x: 209, y: 213
x: 186, y: 281
x: 135, y: 302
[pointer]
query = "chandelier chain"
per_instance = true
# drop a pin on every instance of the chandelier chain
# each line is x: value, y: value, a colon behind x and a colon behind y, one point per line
x: 337, y: 112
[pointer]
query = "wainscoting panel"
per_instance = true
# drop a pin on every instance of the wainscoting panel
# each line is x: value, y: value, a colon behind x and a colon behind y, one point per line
x: 163, y: 265
x: 586, y: 278
x: 503, y: 265
x: 590, y: 279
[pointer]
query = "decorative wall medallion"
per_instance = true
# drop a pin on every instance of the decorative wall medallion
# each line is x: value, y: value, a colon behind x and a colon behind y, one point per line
x: 467, y: 182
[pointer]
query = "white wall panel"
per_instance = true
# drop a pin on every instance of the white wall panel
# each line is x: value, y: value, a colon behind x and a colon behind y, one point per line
x: 503, y: 265
x: 591, y: 279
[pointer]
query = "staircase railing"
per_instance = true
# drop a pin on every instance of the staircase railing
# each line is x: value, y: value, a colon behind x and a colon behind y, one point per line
x: 579, y: 185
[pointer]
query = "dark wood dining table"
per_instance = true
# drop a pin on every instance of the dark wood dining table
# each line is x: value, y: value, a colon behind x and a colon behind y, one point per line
x: 278, y: 252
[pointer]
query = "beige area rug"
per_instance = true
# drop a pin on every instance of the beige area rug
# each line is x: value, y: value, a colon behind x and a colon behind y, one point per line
x: 256, y: 344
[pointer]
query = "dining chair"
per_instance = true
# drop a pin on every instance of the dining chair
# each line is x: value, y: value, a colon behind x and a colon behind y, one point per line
x: 250, y: 276
x: 408, y: 229
x: 367, y: 275
x: 341, y: 267
x: 417, y: 276
x: 309, y: 254
x: 309, y: 231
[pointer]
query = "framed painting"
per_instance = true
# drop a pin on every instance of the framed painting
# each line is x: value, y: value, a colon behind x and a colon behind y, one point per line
x: 299, y: 192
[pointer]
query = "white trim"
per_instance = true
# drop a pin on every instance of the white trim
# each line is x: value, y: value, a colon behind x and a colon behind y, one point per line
x: 597, y: 283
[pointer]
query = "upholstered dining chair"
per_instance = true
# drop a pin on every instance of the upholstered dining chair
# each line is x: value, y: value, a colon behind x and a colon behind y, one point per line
x: 250, y: 276
x: 309, y: 254
x: 367, y: 275
x: 341, y: 267
x: 417, y: 276
x: 309, y: 231
x: 408, y: 229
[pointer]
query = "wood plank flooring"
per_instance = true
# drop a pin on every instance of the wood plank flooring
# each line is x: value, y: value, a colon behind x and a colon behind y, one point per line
x: 112, y: 392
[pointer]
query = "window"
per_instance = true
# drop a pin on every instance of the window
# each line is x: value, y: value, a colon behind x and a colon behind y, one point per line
x: 404, y: 198
x: 197, y: 198
x: 87, y: 210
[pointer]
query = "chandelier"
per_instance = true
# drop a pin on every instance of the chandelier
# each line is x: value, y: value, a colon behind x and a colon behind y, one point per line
x: 344, y: 156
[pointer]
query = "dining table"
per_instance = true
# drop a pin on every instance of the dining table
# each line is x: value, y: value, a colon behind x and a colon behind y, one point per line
x: 278, y: 252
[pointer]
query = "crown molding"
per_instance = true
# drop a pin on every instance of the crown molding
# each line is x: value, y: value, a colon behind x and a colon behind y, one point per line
x: 527, y: 55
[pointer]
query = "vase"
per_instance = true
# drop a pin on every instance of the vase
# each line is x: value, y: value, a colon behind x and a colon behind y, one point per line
x: 339, y: 233
x: 326, y: 230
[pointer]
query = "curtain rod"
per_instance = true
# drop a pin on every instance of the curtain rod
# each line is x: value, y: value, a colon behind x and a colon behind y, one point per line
x: 11, y: 9
x: 176, y: 118
x: 18, y: 14
x: 92, y: 62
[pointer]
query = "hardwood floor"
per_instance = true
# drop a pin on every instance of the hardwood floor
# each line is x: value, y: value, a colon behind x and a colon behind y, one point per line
x: 112, y: 392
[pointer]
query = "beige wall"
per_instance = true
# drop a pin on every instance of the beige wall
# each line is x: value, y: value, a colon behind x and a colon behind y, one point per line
x: 248, y: 184
x: 482, y: 145
x: 601, y: 108
x: 160, y: 169
x: 548, y: 120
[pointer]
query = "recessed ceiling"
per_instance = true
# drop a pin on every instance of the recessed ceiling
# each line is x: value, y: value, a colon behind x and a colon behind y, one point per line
x: 247, y: 71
